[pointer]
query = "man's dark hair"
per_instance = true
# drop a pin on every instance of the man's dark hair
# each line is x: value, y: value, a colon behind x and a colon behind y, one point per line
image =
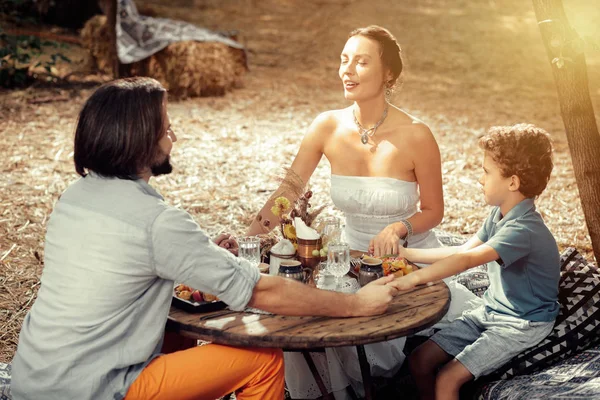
x: 119, y: 128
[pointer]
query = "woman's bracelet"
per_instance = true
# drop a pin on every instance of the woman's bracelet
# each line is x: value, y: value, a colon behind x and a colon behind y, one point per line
x: 409, y: 229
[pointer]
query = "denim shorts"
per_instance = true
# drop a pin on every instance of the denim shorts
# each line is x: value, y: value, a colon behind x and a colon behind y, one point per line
x: 484, y: 341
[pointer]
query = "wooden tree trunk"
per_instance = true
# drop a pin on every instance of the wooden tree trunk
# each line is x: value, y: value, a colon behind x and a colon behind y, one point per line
x: 109, y: 7
x: 565, y: 52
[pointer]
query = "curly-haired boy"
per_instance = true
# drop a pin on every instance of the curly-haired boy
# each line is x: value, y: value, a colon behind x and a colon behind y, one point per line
x: 520, y: 305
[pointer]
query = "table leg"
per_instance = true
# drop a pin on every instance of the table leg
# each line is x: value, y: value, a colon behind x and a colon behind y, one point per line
x: 317, y: 376
x: 365, y: 370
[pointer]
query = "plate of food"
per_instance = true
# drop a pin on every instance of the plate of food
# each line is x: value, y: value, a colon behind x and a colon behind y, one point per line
x: 195, y: 301
x: 392, y: 264
x: 399, y: 266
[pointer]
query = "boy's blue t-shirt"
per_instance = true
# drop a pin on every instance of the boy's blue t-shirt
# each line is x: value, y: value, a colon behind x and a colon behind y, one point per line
x: 524, y: 281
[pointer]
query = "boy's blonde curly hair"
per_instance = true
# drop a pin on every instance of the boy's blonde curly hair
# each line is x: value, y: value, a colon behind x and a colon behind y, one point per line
x: 523, y: 150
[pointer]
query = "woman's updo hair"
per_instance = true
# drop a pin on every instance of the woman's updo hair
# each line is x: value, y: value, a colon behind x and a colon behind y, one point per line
x: 391, y: 53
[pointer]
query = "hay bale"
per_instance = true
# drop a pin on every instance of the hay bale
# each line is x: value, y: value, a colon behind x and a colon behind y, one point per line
x: 186, y: 69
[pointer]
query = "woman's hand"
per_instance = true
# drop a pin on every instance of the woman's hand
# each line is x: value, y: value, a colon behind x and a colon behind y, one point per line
x: 387, y: 241
x: 227, y: 242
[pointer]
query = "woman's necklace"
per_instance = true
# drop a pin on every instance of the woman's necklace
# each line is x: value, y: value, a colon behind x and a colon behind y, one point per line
x: 364, y: 133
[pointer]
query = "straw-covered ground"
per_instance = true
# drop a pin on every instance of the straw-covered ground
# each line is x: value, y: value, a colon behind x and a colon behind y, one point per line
x: 470, y: 65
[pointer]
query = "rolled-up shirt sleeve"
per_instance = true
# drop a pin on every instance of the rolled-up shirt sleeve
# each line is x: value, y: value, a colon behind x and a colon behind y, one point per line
x: 183, y: 253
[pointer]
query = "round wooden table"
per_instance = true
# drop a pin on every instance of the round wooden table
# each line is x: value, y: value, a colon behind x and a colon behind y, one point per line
x: 409, y: 312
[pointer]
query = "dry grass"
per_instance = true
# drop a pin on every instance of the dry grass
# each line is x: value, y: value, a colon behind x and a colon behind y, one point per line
x: 471, y: 65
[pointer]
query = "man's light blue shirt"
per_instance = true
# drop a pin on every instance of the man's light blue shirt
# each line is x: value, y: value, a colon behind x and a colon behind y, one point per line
x: 113, y: 251
x: 524, y: 281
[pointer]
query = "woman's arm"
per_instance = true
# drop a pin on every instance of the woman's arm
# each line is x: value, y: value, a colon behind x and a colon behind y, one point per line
x: 428, y: 172
x: 304, y: 164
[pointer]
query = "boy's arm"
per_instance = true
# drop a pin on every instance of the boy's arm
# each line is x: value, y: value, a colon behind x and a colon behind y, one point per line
x: 447, y: 267
x: 429, y: 256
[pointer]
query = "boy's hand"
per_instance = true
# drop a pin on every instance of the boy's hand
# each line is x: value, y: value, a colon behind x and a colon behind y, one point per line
x: 405, y: 282
x: 375, y: 297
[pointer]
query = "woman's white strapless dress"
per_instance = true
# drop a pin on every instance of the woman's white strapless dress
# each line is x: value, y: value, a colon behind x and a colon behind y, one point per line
x: 369, y: 204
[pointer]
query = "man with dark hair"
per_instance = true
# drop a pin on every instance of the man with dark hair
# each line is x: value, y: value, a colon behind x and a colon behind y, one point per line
x: 113, y: 251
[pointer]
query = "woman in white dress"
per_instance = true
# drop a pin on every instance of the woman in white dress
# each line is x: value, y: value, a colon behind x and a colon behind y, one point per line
x: 386, y: 178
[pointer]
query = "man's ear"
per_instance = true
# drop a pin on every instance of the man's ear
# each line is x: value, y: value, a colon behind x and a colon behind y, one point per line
x: 515, y: 183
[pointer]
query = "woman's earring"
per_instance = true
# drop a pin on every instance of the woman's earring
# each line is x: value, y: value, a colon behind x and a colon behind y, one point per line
x: 388, y: 94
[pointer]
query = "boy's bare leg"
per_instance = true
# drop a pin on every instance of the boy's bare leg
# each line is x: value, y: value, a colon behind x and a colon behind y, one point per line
x: 424, y: 362
x: 449, y: 380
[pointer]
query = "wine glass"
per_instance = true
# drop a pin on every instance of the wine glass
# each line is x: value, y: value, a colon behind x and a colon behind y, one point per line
x: 338, y: 260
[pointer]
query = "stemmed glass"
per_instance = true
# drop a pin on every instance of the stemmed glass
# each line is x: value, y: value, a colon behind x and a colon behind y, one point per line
x: 338, y: 260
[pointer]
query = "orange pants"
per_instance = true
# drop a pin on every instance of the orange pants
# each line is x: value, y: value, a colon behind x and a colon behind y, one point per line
x: 210, y: 372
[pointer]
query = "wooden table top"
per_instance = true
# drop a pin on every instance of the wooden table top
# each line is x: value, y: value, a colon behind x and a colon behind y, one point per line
x: 409, y: 312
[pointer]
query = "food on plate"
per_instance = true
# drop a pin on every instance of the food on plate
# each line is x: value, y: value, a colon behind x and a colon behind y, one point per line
x: 185, y: 292
x: 210, y: 297
x: 398, y: 266
x: 393, y: 264
x: 197, y: 296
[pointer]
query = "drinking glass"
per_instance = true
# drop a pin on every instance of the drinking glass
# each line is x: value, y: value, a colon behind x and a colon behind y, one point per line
x: 322, y: 278
x: 338, y: 260
x: 332, y: 230
x: 249, y: 249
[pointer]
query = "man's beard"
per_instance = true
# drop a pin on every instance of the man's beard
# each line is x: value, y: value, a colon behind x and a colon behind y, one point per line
x: 164, y: 168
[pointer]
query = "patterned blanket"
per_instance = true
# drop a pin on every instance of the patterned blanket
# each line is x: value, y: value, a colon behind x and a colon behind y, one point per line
x: 138, y: 36
x: 5, y: 381
x: 577, y: 377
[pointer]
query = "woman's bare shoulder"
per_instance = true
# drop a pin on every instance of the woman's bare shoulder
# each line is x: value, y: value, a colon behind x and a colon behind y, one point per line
x: 328, y: 121
x: 331, y: 116
x: 403, y: 118
x: 412, y: 131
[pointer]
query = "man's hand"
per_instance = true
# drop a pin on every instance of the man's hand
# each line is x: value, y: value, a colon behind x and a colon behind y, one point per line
x: 386, y: 241
x: 375, y: 297
x: 227, y: 242
x: 405, y: 282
